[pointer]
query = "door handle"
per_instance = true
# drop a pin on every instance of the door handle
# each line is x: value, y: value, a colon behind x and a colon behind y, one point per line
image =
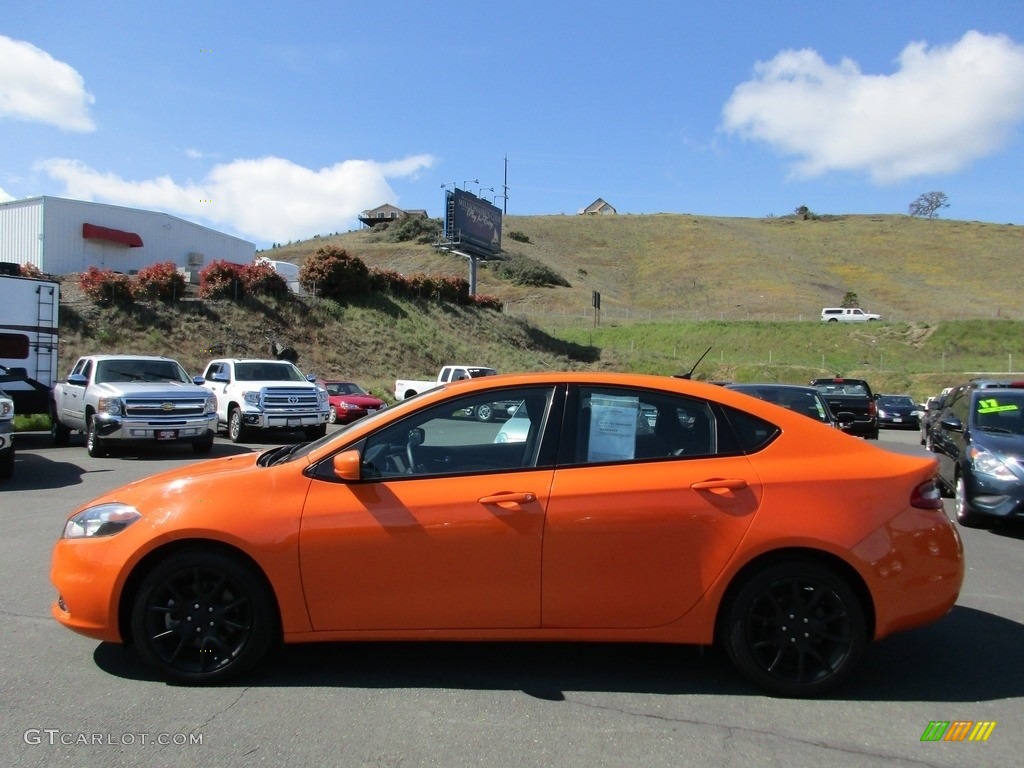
x: 524, y: 497
x: 732, y: 484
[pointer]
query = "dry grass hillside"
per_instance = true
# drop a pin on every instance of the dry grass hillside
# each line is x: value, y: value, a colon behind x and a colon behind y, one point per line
x: 675, y: 266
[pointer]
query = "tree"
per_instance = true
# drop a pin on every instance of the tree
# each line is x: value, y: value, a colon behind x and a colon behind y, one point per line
x: 928, y: 205
x: 850, y: 300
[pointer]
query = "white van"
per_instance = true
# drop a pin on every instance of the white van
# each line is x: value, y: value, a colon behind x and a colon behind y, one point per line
x: 847, y: 315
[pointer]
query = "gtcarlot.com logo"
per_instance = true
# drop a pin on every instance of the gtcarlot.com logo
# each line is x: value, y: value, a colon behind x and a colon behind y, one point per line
x: 958, y: 730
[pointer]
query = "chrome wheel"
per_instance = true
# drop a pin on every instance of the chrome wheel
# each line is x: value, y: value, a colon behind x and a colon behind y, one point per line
x: 236, y: 427
x: 966, y: 516
x: 333, y: 417
x: 93, y: 445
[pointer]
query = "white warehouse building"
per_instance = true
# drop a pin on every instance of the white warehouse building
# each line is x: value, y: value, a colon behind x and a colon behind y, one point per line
x: 61, y: 236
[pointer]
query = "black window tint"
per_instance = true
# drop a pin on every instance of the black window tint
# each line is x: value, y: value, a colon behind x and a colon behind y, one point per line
x: 752, y: 433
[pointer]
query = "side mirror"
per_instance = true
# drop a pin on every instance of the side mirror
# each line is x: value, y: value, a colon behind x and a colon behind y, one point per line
x: 347, y: 466
x: 952, y: 423
x: 198, y: 380
x: 78, y: 380
x: 219, y: 377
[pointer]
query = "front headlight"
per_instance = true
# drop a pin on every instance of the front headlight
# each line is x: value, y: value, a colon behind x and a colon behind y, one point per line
x: 211, y: 404
x: 321, y: 396
x: 987, y: 463
x: 6, y: 409
x: 109, y: 405
x: 101, y: 520
x: 251, y: 398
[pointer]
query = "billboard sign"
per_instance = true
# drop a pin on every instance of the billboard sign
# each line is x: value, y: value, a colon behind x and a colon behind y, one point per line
x: 472, y: 222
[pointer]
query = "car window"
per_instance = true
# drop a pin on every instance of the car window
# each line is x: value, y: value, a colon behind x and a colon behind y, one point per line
x: 611, y: 424
x: 1000, y: 413
x: 447, y: 439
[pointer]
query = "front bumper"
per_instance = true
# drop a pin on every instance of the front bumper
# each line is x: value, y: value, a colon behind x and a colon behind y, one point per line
x: 119, y: 428
x: 256, y: 419
x: 6, y: 436
x: 987, y: 495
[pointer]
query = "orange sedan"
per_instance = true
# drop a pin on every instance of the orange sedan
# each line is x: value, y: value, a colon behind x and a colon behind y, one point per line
x: 632, y: 508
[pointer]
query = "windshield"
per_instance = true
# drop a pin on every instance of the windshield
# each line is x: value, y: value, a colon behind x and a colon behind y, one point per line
x: 1001, y: 413
x: 344, y: 388
x: 139, y: 370
x: 892, y: 401
x: 267, y: 371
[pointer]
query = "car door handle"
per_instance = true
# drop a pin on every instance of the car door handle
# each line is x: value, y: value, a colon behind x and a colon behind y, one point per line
x: 732, y: 484
x: 524, y: 497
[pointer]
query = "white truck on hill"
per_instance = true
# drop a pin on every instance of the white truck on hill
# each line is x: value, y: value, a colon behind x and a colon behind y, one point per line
x: 125, y: 400
x: 266, y: 394
x: 405, y: 388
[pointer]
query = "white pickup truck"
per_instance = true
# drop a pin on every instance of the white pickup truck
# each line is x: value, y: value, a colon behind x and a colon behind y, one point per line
x: 405, y: 388
x: 129, y: 399
x: 266, y: 394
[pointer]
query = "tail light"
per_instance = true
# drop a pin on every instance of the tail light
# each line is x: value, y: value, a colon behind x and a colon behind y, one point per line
x: 872, y: 409
x: 927, y: 496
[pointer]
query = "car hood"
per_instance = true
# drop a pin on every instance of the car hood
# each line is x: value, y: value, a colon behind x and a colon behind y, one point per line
x: 154, y: 389
x: 1010, y: 446
x: 184, y: 479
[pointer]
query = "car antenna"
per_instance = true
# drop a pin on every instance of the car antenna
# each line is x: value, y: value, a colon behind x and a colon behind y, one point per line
x: 689, y: 373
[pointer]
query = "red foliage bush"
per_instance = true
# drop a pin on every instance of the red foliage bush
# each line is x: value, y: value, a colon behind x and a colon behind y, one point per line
x: 30, y: 270
x: 262, y: 280
x: 486, y: 302
x: 160, y: 281
x: 333, y: 273
x: 221, y: 280
x: 105, y: 286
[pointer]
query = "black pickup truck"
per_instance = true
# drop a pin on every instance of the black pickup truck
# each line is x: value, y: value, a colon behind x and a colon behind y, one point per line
x: 853, y: 396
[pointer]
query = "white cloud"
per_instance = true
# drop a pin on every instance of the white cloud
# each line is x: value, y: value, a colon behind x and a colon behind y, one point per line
x: 942, y: 109
x: 269, y: 199
x: 36, y: 87
x: 4, y: 197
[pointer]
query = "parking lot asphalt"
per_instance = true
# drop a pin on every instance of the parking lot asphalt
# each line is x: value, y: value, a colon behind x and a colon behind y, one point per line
x: 71, y: 701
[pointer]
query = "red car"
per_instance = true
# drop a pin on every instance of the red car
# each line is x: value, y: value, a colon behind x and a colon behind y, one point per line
x: 350, y: 401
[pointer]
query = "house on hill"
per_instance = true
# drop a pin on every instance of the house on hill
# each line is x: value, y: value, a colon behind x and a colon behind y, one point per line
x: 388, y: 212
x: 598, y: 206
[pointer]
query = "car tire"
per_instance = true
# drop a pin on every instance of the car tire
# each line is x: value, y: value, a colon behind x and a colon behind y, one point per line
x: 59, y: 434
x: 795, y: 629
x: 203, y: 616
x: 966, y: 516
x: 237, y: 433
x: 333, y: 417
x: 203, y: 446
x: 484, y: 412
x: 7, y: 464
x: 833, y: 320
x: 94, y: 445
x: 315, y: 433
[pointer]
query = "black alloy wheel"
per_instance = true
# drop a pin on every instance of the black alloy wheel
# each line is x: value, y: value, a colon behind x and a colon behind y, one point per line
x: 795, y: 629
x: 203, y: 616
x: 484, y: 412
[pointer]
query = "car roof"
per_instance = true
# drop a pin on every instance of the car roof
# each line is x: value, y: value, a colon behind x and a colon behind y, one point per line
x: 780, y: 387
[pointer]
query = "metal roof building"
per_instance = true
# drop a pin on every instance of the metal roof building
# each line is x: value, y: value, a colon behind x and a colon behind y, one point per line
x: 61, y: 236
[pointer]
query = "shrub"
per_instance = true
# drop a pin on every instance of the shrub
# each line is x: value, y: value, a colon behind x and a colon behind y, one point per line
x: 160, y: 281
x: 418, y: 228
x: 105, y: 286
x: 221, y: 280
x: 30, y: 270
x: 518, y: 236
x: 522, y: 270
x: 486, y: 302
x: 333, y: 273
x: 387, y: 281
x: 452, y: 288
x: 262, y: 280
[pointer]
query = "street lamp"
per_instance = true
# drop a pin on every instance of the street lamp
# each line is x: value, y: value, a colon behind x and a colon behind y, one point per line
x: 447, y: 183
x: 475, y: 181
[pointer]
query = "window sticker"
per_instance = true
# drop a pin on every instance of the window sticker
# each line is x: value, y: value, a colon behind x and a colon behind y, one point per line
x: 992, y: 405
x: 613, y: 422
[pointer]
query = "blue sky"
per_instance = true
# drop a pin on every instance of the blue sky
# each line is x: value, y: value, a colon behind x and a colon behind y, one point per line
x: 278, y: 121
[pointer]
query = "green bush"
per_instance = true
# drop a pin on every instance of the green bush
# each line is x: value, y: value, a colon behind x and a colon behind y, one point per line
x: 414, y: 228
x: 522, y: 270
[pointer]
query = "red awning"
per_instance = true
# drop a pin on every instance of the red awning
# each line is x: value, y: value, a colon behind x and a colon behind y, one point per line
x: 93, y: 232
